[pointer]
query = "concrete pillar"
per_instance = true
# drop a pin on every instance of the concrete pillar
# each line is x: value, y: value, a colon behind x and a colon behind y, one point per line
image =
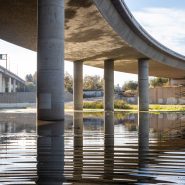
x: 109, y: 85
x: 14, y: 85
x: 78, y: 85
x: 9, y: 85
x: 143, y: 85
x: 50, y: 57
x: 1, y: 82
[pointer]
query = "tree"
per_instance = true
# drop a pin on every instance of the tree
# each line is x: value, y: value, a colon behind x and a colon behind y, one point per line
x: 30, y: 85
x: 29, y: 78
x: 68, y: 82
x: 130, y: 85
x: 93, y: 82
x: 158, y: 82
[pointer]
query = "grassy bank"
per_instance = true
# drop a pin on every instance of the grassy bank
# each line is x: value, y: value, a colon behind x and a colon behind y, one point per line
x: 120, y: 104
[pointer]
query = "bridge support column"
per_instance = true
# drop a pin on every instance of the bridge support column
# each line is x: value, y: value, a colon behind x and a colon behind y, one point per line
x: 9, y: 85
x: 109, y: 85
x: 143, y: 84
x: 1, y: 82
x: 78, y: 85
x: 14, y: 85
x: 50, y: 90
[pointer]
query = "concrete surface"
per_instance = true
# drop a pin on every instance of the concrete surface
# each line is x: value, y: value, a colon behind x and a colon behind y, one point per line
x: 111, y: 32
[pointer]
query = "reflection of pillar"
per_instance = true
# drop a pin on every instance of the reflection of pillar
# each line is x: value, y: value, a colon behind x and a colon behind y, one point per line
x: 78, y: 85
x: 78, y: 145
x: 108, y: 145
x: 14, y: 85
x: 143, y: 85
x: 50, y: 153
x: 9, y: 84
x: 50, y: 58
x: 143, y: 138
x: 108, y: 85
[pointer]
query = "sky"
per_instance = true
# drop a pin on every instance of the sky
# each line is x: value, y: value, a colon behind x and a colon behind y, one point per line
x: 163, y: 19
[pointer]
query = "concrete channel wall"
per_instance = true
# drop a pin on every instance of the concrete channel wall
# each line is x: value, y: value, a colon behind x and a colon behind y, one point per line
x: 167, y: 95
x: 23, y: 99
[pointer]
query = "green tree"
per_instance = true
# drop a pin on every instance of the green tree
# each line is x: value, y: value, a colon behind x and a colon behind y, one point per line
x: 30, y: 87
x: 158, y: 82
x: 68, y: 82
x: 29, y: 78
x: 93, y: 82
x: 130, y: 85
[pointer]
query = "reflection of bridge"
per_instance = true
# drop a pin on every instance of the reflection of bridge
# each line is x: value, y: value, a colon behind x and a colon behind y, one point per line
x: 97, y: 33
x: 9, y: 82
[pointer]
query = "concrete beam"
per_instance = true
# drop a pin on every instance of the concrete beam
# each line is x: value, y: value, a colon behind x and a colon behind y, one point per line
x: 109, y: 85
x: 143, y: 95
x: 50, y: 60
x: 78, y: 85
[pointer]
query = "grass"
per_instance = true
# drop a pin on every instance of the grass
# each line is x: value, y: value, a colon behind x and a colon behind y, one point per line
x: 122, y: 105
x: 118, y: 104
x: 168, y: 107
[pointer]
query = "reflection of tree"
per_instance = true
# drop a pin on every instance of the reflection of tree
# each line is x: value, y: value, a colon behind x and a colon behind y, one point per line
x: 68, y: 82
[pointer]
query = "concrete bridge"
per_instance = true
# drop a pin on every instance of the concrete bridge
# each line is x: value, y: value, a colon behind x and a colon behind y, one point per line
x: 9, y: 82
x: 97, y: 33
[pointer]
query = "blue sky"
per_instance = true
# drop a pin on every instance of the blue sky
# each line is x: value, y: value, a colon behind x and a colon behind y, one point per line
x: 136, y: 5
x: 163, y: 19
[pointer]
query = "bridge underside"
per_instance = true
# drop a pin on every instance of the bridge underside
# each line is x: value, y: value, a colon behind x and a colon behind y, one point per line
x: 88, y: 37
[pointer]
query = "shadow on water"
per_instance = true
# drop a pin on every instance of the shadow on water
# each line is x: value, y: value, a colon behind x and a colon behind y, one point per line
x: 94, y: 148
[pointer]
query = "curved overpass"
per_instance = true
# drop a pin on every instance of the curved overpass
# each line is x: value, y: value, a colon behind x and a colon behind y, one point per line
x: 94, y: 31
x: 98, y: 33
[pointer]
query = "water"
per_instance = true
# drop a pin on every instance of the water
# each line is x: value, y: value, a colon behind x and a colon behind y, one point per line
x: 93, y: 148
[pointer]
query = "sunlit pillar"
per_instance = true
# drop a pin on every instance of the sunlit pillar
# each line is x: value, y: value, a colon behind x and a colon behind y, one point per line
x: 14, y: 85
x: 50, y: 75
x: 9, y: 84
x: 78, y: 85
x: 1, y: 82
x: 143, y: 84
x: 109, y: 85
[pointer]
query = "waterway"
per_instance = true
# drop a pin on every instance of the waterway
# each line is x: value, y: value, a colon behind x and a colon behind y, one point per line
x: 92, y: 148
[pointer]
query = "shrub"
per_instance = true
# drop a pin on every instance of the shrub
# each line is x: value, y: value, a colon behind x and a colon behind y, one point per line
x: 118, y: 104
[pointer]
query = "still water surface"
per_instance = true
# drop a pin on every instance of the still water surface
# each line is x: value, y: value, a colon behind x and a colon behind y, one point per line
x: 93, y: 148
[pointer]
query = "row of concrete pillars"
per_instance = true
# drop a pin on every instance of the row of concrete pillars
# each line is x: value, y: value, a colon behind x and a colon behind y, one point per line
x: 50, y: 67
x: 109, y: 85
x: 6, y: 84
